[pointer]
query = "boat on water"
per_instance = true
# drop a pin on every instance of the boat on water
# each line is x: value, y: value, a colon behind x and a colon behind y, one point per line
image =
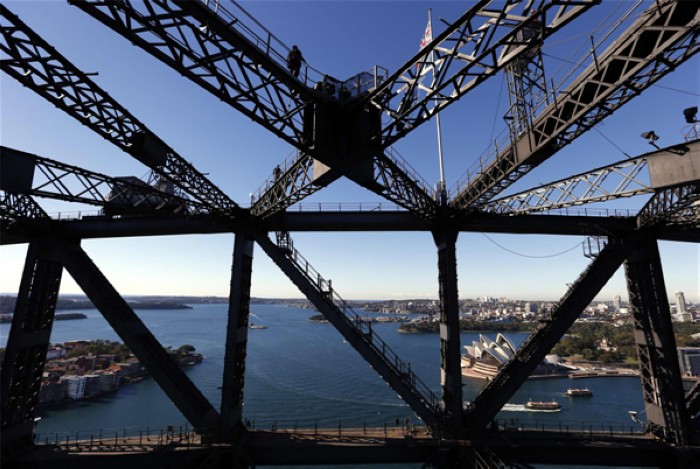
x: 578, y: 392
x: 542, y: 405
x: 256, y: 326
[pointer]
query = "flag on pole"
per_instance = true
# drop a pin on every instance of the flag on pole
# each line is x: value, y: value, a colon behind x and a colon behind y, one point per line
x: 428, y: 36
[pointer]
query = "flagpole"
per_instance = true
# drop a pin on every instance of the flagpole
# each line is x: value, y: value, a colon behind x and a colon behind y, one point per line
x: 443, y: 193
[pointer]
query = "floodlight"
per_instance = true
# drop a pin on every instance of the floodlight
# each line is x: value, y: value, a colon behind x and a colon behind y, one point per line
x: 691, y: 114
x: 651, y: 137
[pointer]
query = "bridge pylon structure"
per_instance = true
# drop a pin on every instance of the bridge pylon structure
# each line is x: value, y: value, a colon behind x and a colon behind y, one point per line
x: 347, y: 128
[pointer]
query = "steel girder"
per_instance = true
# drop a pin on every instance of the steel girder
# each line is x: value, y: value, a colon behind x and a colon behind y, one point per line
x: 291, y: 182
x: 662, y: 387
x: 19, y: 207
x: 675, y: 207
x: 56, y: 180
x: 38, y: 66
x: 236, y: 337
x: 393, y: 178
x: 475, y: 47
x: 692, y: 400
x: 27, y: 343
x: 513, y: 374
x: 663, y: 38
x: 224, y: 54
x: 450, y: 347
x: 622, y: 179
x: 171, y: 379
x: 103, y: 227
x: 626, y: 178
x: 356, y: 330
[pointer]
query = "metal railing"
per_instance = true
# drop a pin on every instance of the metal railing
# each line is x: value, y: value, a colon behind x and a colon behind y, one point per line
x: 392, y: 154
x: 609, y: 429
x: 504, y: 138
x: 362, y: 326
x: 105, y: 438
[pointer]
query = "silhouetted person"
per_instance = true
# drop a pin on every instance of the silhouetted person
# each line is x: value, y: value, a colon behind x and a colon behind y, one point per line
x: 294, y: 60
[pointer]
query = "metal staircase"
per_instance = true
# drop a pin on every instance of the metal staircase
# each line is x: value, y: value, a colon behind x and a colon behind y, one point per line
x: 354, y: 328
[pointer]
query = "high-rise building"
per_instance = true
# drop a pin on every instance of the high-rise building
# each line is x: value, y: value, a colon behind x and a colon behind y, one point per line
x: 617, y: 302
x: 680, y: 302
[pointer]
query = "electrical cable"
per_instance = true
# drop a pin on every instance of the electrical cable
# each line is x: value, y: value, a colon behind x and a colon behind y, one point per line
x: 495, y: 115
x: 677, y: 90
x: 611, y: 142
x: 527, y: 255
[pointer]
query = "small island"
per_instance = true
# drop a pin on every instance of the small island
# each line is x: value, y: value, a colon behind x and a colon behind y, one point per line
x: 7, y: 318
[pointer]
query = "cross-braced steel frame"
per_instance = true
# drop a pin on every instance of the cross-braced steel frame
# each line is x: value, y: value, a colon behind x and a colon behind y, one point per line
x: 337, y: 132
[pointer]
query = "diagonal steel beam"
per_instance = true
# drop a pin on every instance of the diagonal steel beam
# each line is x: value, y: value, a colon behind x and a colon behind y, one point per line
x: 392, y: 178
x: 644, y: 174
x: 692, y: 400
x: 27, y: 343
x: 515, y: 372
x: 356, y: 330
x: 622, y: 179
x: 291, y: 182
x: 35, y: 64
x: 178, y: 387
x: 675, y: 207
x: 485, y: 39
x: 664, y: 37
x: 222, y: 49
x: 14, y: 207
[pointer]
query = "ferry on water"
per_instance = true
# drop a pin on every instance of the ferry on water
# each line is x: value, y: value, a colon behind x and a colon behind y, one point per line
x: 576, y: 392
x: 542, y: 405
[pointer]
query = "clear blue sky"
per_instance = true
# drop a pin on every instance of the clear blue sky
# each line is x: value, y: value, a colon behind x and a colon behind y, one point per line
x: 340, y: 38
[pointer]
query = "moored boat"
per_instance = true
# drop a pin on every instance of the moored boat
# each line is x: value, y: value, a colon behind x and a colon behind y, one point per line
x: 542, y: 405
x: 577, y: 392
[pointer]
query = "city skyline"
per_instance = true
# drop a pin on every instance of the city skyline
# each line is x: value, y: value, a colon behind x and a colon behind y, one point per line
x: 238, y: 155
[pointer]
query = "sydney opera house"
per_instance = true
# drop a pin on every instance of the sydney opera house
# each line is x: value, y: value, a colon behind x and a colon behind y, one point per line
x: 483, y: 359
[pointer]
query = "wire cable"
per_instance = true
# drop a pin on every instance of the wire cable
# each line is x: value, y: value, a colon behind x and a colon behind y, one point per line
x: 676, y: 89
x: 611, y: 142
x: 528, y: 255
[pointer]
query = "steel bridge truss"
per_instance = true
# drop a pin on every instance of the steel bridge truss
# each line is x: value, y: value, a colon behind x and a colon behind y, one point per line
x: 41, y: 177
x: 232, y: 56
x: 223, y: 51
x: 38, y: 66
x: 472, y: 49
x: 665, y: 36
x: 623, y: 179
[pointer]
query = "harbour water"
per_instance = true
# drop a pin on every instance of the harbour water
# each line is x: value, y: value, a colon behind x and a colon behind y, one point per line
x: 300, y: 372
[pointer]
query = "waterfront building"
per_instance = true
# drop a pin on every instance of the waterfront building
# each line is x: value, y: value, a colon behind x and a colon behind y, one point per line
x: 55, y: 352
x: 689, y: 358
x: 52, y: 391
x: 680, y: 303
x: 75, y: 386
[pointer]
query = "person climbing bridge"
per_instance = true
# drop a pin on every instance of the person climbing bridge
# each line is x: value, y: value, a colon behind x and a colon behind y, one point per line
x: 294, y: 60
